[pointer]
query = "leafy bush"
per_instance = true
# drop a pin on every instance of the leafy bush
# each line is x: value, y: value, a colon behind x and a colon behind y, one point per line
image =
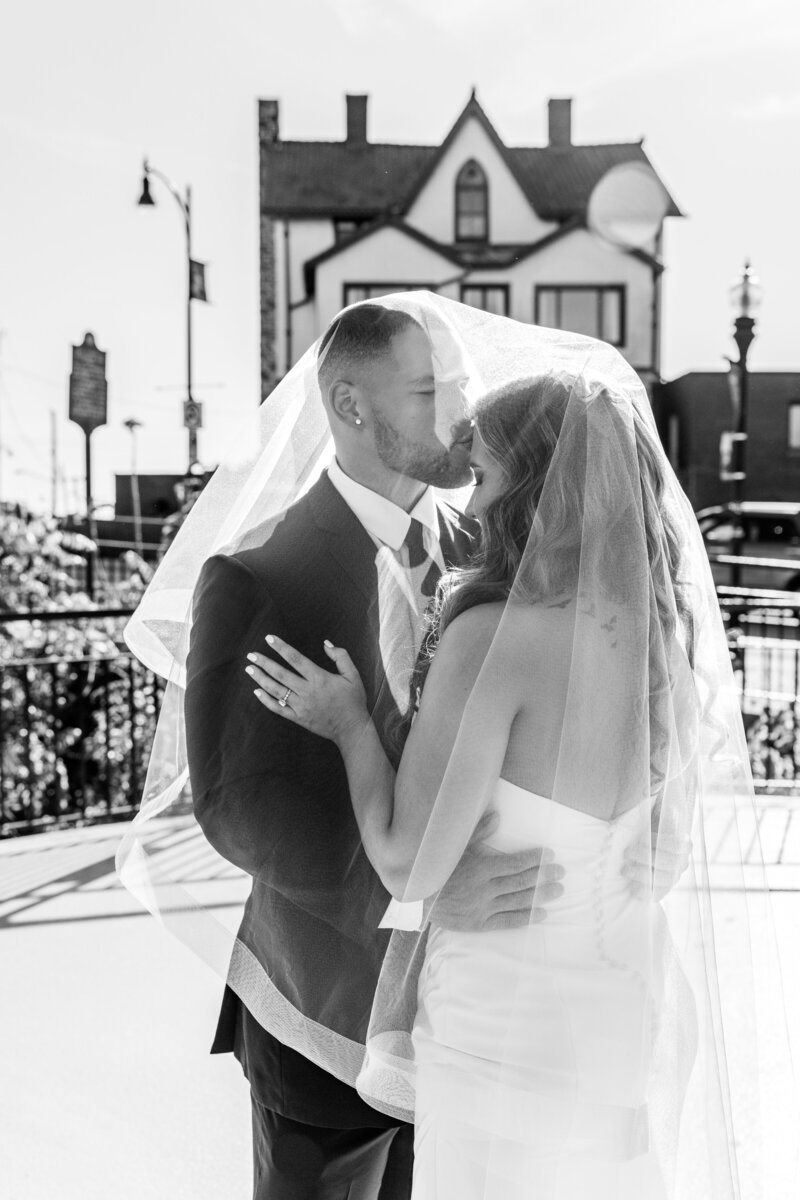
x: 76, y: 711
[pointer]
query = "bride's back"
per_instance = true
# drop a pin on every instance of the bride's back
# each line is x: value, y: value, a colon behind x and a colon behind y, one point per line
x: 575, y: 706
x: 539, y: 639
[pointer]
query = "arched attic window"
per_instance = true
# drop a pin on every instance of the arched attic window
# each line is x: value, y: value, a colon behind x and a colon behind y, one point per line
x: 472, y: 203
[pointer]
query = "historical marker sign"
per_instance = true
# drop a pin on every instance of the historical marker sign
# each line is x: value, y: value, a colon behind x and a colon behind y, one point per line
x: 88, y: 389
x: 88, y: 395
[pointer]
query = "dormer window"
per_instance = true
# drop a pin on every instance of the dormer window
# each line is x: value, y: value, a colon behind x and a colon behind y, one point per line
x: 472, y: 203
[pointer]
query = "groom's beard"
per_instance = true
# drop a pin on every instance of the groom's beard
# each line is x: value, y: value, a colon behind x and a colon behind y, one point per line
x: 435, y: 465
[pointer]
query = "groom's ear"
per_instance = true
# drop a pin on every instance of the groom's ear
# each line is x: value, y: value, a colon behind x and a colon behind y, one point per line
x: 343, y: 401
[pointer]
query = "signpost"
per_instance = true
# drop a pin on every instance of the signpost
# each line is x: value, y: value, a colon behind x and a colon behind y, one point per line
x: 192, y: 420
x: 195, y: 290
x: 88, y: 400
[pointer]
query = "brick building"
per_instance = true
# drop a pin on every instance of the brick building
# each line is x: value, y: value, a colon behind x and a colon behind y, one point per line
x: 695, y: 409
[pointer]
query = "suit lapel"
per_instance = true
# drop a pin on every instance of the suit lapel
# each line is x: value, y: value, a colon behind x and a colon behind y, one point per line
x: 353, y: 551
x: 346, y: 539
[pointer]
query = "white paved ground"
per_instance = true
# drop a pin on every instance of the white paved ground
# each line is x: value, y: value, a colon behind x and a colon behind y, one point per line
x: 107, y: 1090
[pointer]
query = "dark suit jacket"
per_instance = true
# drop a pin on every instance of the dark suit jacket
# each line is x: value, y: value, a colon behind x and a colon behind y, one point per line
x: 273, y: 799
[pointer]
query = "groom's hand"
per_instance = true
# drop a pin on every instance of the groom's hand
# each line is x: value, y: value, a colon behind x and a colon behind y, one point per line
x: 654, y: 864
x: 492, y: 890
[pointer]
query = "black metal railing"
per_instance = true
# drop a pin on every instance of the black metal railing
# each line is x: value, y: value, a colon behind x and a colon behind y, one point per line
x: 75, y: 729
x: 764, y: 639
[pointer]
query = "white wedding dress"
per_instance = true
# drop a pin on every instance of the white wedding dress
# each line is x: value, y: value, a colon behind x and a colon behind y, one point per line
x: 533, y: 1046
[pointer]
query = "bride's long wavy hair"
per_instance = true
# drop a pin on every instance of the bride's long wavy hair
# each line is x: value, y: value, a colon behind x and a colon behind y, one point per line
x: 524, y: 426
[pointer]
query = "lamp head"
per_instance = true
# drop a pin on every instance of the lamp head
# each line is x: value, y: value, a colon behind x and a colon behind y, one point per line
x: 145, y: 198
x: 746, y: 294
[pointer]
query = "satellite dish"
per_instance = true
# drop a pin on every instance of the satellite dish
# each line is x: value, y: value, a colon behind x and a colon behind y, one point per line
x: 627, y: 205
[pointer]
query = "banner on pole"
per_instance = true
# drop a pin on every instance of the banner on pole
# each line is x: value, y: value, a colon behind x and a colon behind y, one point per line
x: 731, y: 456
x: 197, y: 280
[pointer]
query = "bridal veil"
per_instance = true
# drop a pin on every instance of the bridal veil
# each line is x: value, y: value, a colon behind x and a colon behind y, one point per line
x: 651, y: 735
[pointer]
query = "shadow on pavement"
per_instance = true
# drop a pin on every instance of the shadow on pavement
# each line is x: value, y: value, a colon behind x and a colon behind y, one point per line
x: 70, y: 875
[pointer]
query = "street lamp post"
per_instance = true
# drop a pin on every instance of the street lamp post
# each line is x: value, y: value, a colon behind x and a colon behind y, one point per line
x: 195, y: 290
x: 745, y: 297
x: 131, y: 424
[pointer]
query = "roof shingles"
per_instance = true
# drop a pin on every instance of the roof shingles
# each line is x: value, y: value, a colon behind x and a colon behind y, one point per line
x: 334, y: 179
x: 373, y: 179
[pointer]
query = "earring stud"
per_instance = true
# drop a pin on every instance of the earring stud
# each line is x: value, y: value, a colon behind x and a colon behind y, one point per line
x: 359, y: 421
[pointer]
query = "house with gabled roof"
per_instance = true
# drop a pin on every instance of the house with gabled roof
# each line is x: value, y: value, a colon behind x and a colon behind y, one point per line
x: 503, y: 228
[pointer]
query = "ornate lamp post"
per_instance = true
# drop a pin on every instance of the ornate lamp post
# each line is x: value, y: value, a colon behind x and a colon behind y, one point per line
x: 746, y: 295
x: 195, y: 290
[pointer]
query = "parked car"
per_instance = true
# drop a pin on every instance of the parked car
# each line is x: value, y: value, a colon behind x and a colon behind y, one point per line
x: 770, y: 530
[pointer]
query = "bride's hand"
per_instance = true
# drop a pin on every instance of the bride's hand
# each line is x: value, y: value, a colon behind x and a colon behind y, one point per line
x: 333, y: 706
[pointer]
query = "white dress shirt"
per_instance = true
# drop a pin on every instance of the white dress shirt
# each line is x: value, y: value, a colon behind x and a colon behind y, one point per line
x: 400, y: 604
x: 385, y: 522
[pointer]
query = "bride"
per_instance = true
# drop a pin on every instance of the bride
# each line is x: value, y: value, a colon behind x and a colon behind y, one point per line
x: 558, y: 690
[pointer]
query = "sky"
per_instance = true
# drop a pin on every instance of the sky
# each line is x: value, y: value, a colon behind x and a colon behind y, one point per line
x: 88, y: 88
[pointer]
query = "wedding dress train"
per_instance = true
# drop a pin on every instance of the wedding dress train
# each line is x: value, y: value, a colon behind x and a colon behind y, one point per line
x: 533, y: 1046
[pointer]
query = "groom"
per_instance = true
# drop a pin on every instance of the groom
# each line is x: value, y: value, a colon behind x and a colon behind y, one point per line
x: 356, y: 561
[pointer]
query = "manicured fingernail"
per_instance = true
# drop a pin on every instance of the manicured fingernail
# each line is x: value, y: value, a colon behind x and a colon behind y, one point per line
x: 250, y: 670
x: 270, y: 638
x: 328, y: 643
x: 251, y: 658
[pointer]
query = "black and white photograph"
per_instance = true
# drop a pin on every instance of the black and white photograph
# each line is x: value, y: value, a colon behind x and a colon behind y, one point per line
x: 399, y: 600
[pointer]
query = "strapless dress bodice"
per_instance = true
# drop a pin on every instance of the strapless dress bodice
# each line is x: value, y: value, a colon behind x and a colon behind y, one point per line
x: 591, y: 850
x: 524, y: 815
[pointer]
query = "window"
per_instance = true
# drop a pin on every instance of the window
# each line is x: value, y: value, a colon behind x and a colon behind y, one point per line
x: 352, y: 293
x: 472, y: 204
x: 595, y: 311
x: 794, y: 425
x: 772, y: 530
x: 491, y: 297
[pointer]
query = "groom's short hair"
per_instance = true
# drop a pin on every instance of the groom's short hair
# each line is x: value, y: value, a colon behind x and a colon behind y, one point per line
x: 359, y: 336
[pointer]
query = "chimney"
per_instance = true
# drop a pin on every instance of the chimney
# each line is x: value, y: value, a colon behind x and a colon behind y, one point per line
x: 559, y: 120
x: 268, y: 129
x: 356, y: 120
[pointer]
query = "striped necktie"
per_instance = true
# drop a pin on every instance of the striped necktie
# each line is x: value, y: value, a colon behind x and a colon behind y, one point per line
x: 418, y: 557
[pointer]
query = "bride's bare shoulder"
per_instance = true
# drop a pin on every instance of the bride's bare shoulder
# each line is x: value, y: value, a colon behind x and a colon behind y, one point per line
x: 477, y: 624
x: 503, y: 644
x: 513, y: 630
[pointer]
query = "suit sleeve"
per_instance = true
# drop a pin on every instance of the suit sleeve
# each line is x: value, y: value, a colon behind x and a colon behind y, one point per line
x: 244, y: 785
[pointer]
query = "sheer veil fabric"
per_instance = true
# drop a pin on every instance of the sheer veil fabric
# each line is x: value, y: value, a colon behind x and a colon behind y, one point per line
x: 618, y: 1046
